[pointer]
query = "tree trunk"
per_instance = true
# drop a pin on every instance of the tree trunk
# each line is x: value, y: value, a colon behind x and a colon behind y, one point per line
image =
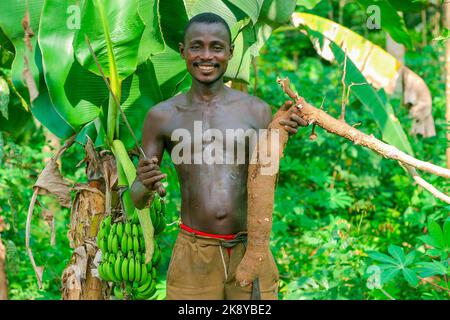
x: 446, y: 23
x: 3, y: 278
x: 424, y: 27
x: 331, y: 11
x: 436, y: 22
x: 80, y: 280
x: 342, y: 4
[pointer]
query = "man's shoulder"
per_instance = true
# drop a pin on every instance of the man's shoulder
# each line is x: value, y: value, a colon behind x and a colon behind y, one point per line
x: 165, y: 107
x: 249, y: 100
x: 258, y: 110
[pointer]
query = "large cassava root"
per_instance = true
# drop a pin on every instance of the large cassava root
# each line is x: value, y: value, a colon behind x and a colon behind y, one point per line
x: 261, y: 189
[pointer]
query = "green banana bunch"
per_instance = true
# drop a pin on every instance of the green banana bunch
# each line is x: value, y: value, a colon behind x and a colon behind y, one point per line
x: 118, y: 292
x: 156, y: 255
x: 157, y: 214
x: 146, y: 290
x: 122, y: 246
x: 124, y: 269
x: 118, y: 266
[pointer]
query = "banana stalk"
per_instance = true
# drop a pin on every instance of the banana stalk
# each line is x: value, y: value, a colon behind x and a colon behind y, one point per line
x: 129, y: 172
x: 115, y: 83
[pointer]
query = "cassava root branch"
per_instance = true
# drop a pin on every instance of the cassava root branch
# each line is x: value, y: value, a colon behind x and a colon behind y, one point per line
x: 426, y: 185
x: 314, y: 115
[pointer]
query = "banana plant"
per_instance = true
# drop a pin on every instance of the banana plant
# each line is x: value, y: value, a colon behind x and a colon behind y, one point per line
x: 80, y: 64
x: 329, y: 39
x: 370, y: 64
x: 385, y: 11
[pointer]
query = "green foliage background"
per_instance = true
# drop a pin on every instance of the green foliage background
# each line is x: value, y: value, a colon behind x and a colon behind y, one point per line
x: 335, y: 203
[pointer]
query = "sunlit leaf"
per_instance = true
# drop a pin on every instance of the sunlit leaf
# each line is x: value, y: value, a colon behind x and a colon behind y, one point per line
x: 171, y: 72
x: 339, y: 199
x: 381, y: 257
x: 60, y: 67
x: 117, y: 20
x: 436, y: 234
x: 409, y: 259
x: 410, y: 276
x: 397, y: 252
x: 428, y: 269
x: 308, y: 4
x: 140, y: 92
x: 447, y: 234
x: 388, y: 274
x: 152, y: 41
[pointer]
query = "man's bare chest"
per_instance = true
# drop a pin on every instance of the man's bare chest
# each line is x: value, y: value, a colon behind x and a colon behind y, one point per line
x: 221, y: 117
x: 222, y: 132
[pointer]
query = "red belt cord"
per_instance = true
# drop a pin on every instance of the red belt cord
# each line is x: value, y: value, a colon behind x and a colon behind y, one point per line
x: 211, y: 235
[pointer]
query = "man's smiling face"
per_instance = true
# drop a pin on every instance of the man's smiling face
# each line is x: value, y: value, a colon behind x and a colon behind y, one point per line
x: 207, y: 50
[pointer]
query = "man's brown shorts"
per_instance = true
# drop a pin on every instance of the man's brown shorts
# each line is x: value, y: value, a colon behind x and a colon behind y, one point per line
x: 200, y: 268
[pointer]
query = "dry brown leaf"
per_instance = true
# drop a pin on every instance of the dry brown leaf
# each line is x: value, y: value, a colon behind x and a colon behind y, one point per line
x: 49, y: 218
x: 109, y: 169
x: 94, y: 170
x: 75, y: 273
x: 27, y: 29
x: 52, y: 182
x: 26, y: 73
x: 29, y: 80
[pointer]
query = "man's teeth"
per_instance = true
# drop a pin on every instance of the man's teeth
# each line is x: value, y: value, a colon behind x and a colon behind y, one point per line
x: 206, y: 68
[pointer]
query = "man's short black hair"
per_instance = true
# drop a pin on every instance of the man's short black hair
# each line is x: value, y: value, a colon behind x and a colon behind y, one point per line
x: 207, y: 17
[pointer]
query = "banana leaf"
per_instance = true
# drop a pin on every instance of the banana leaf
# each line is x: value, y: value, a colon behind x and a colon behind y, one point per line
x: 379, y: 67
x: 391, y: 21
x: 13, y: 30
x: 251, y: 9
x: 5, y: 42
x: 409, y: 5
x: 114, y: 29
x: 173, y: 17
x: 308, y: 4
x: 152, y: 41
x: 140, y: 92
x: 382, y: 112
x: 80, y: 97
x: 41, y: 105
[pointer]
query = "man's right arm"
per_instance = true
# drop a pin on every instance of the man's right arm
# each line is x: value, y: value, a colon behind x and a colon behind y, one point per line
x: 149, y: 176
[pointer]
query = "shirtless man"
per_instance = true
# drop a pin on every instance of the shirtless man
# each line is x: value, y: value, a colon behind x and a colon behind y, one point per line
x: 211, y: 241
